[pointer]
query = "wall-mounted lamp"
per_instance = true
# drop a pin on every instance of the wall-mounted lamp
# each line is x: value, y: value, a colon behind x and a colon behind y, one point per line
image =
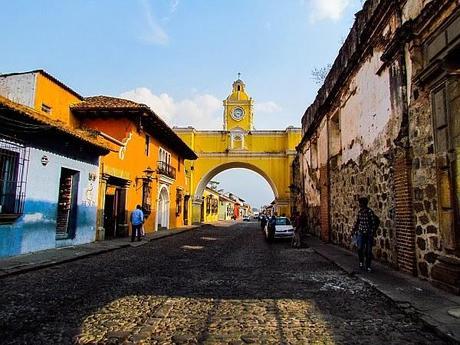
x: 146, y: 179
x: 147, y: 175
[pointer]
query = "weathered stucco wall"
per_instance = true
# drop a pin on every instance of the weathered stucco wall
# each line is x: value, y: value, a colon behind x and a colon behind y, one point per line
x: 36, y: 228
x: 366, y: 112
x: 392, y: 99
x: 368, y: 127
x: 19, y: 88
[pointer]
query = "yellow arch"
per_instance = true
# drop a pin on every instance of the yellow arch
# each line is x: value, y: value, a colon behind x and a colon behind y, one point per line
x: 268, y: 153
x: 233, y: 165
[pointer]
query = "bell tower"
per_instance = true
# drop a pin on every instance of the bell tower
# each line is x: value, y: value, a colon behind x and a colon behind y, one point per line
x: 238, y: 108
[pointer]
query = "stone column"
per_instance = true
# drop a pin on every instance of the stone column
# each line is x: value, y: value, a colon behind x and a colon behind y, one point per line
x: 404, y: 219
x: 196, y: 210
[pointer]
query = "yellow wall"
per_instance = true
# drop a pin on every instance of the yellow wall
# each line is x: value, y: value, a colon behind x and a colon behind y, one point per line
x: 212, y: 215
x: 58, y: 98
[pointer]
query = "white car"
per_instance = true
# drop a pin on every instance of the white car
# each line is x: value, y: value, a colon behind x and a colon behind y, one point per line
x: 283, y: 229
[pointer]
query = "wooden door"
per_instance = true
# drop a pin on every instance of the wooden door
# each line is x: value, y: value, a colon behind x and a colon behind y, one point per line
x: 447, y: 137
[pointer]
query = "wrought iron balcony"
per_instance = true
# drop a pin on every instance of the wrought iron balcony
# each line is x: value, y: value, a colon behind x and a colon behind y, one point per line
x: 166, y: 169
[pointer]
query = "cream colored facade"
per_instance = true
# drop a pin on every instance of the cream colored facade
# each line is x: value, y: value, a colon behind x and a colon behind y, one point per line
x: 267, y: 152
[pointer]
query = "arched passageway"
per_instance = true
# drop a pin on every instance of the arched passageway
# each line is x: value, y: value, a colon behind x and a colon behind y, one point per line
x: 260, y: 167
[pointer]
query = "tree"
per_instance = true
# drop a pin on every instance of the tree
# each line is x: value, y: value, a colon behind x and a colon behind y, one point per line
x: 319, y: 74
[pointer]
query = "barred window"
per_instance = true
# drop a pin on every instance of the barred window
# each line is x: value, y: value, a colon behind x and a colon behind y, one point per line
x: 14, y: 158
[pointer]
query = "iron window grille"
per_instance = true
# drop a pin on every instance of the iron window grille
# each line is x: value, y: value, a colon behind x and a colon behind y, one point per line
x: 166, y: 169
x: 14, y: 162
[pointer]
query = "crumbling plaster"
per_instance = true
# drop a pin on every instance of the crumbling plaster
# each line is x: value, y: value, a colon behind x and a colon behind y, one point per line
x: 19, y: 88
x: 366, y: 113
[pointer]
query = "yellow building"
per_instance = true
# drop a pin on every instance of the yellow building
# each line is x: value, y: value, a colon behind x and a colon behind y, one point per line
x: 226, y: 207
x: 210, y: 206
x: 269, y: 153
x: 146, y: 169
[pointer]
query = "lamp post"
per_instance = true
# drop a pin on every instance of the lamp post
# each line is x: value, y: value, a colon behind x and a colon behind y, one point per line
x: 147, y: 190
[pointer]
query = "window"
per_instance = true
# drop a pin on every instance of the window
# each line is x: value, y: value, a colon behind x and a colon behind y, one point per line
x: 208, y: 204
x: 147, y: 145
x: 215, y: 206
x: 314, y: 154
x: 67, y: 204
x: 334, y: 135
x: 283, y: 221
x: 239, y: 88
x: 165, y: 156
x: 46, y: 108
x: 14, y: 159
x: 164, y: 164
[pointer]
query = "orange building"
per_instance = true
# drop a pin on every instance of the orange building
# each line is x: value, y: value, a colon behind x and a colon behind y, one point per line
x: 147, y: 169
x: 145, y: 165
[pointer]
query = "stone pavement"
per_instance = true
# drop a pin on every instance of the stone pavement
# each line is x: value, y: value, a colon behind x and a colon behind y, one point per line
x: 51, y: 257
x: 439, y: 310
x: 214, y: 285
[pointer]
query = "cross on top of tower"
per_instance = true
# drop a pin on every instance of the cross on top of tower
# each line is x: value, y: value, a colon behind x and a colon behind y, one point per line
x: 239, y: 74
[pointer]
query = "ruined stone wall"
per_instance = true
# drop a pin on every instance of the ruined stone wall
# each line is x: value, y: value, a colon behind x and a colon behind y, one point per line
x: 371, y: 176
x: 311, y: 194
x: 424, y: 184
x: 426, y: 192
x: 369, y: 124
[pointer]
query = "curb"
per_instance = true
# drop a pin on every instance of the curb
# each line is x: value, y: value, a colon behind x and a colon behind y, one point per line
x: 26, y: 269
x: 409, y: 309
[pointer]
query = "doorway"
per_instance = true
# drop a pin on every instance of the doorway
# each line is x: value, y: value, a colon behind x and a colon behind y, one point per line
x: 163, y: 209
x: 66, y: 220
x: 186, y: 200
x: 114, y: 212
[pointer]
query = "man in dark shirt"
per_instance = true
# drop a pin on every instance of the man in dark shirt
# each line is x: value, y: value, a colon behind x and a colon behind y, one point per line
x: 263, y: 222
x: 366, y: 225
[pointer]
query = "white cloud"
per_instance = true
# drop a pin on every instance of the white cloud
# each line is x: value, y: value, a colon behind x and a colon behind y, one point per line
x: 201, y: 111
x: 267, y: 107
x: 327, y: 9
x: 174, y: 5
x: 156, y: 34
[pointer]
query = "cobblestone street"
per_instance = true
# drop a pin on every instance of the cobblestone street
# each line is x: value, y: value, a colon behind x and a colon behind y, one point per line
x: 214, y: 285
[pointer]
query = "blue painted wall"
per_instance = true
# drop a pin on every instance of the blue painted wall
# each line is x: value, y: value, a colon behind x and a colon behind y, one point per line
x: 36, y: 229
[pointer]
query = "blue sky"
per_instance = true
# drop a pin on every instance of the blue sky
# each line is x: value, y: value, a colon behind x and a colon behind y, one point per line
x: 181, y: 56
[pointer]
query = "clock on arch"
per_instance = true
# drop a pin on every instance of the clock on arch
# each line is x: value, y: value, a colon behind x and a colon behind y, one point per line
x: 237, y: 114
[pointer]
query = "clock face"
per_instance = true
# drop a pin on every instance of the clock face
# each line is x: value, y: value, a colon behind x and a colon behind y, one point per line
x: 237, y: 114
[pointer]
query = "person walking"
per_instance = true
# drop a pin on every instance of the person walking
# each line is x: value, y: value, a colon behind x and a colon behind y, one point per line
x: 296, y: 223
x: 365, y: 227
x: 137, y: 220
x: 263, y: 222
x: 300, y: 230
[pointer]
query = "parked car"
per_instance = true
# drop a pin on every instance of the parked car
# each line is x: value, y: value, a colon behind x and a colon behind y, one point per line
x: 283, y: 229
x: 246, y: 219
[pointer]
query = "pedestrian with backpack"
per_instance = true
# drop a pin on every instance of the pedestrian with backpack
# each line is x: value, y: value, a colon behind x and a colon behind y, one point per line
x: 365, y: 227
